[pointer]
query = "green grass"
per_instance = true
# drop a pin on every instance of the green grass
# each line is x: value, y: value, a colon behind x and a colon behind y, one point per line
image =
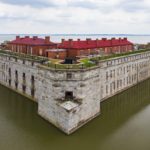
x: 91, y: 62
x: 24, y: 56
x: 65, y: 66
x: 118, y: 55
x: 55, y: 63
x: 87, y: 62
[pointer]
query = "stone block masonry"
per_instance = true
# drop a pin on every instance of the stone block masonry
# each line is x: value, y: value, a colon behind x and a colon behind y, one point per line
x: 70, y: 98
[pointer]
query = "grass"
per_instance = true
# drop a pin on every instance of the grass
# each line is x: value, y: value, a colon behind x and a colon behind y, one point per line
x: 118, y: 55
x: 55, y: 63
x: 65, y: 66
x: 90, y: 62
x: 55, y: 60
x: 24, y: 56
x: 84, y: 63
x: 87, y: 62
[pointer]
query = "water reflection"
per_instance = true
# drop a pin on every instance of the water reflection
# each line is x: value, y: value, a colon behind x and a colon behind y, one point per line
x: 123, y: 124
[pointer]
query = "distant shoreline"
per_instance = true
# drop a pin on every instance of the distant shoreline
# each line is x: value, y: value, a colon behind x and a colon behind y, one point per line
x: 135, y: 38
x: 82, y: 34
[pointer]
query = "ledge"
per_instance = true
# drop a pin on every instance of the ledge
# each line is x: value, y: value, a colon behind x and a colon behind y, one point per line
x: 84, y: 65
x: 69, y: 105
x: 23, y: 56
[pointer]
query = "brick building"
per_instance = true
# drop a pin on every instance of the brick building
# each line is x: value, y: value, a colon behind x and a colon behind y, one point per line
x: 57, y: 53
x: 33, y: 46
x: 69, y: 48
x: 89, y: 47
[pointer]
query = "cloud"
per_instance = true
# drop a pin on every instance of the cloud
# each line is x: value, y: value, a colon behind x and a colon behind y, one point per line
x: 33, y: 3
x: 74, y: 16
x: 134, y: 5
x: 83, y: 4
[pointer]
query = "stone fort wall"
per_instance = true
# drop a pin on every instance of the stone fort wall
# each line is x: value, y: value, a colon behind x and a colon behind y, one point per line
x: 70, y: 98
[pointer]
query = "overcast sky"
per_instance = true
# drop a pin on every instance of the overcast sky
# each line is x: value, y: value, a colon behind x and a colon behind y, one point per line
x: 75, y: 16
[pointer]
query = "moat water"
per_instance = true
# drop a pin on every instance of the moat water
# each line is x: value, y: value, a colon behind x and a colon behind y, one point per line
x: 124, y: 124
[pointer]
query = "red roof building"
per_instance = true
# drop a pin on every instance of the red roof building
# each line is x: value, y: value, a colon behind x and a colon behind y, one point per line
x: 31, y: 45
x: 90, y: 47
x: 69, y: 48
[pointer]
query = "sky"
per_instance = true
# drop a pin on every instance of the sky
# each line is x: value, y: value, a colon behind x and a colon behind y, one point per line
x: 75, y: 16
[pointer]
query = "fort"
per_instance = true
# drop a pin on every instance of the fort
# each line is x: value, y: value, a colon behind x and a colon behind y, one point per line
x: 70, y: 95
x: 69, y: 98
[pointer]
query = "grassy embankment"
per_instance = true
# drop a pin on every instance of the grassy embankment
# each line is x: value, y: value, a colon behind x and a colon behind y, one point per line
x: 89, y: 62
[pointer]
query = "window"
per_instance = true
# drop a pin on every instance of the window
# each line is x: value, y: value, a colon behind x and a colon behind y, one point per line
x: 23, y: 61
x: 114, y: 85
x: 120, y: 83
x: 40, y: 52
x: 32, y: 86
x: 106, y: 89
x: 110, y: 87
x: 117, y: 84
x: 32, y: 82
x: 32, y: 92
x: 31, y: 50
x: 81, y: 52
x: 106, y: 76
x: 32, y: 63
x: 69, y: 75
x: 16, y: 85
x: 24, y: 82
x: 16, y: 74
x: 111, y: 73
x: 9, y: 82
x: 9, y: 72
x: 24, y: 76
x: 32, y: 79
x: 16, y: 79
x: 68, y: 95
x: 24, y: 88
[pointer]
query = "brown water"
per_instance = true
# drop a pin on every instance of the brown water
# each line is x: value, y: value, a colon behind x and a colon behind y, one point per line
x: 124, y: 124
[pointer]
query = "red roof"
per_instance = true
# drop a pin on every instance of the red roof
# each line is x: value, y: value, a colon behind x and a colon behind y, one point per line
x: 32, y: 41
x: 88, y: 44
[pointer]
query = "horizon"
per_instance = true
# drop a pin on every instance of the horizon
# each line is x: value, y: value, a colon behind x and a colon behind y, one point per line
x: 75, y: 34
x: 137, y: 39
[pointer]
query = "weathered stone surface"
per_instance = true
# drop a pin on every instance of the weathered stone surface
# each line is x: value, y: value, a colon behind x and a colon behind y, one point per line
x: 88, y: 87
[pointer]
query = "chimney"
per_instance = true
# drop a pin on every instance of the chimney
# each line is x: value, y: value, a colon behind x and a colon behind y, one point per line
x: 113, y: 38
x: 35, y: 37
x: 88, y: 40
x: 125, y: 39
x: 17, y: 37
x: 47, y: 39
x: 62, y: 40
x: 70, y: 42
x: 104, y: 39
x: 97, y: 42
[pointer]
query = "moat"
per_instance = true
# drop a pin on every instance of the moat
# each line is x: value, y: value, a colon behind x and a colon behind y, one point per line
x: 124, y: 124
